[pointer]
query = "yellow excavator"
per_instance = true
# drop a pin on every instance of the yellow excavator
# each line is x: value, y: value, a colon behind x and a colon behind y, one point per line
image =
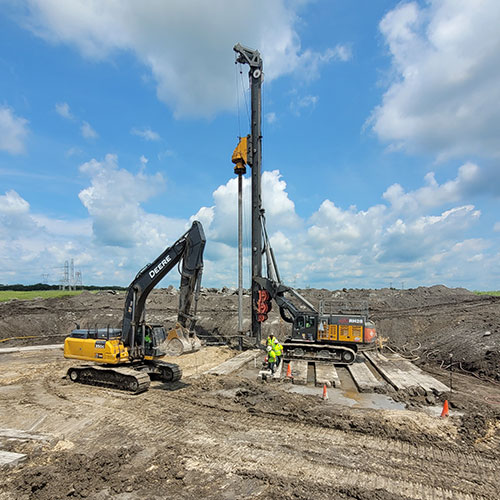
x: 128, y: 357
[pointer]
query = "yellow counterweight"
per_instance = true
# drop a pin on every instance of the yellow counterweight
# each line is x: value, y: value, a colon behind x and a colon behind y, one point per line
x: 101, y: 351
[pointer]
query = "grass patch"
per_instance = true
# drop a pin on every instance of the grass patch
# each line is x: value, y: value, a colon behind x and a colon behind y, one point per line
x: 44, y: 294
x: 496, y: 292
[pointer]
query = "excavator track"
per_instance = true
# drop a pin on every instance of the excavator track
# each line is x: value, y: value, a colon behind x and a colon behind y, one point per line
x: 166, y: 372
x: 340, y: 355
x: 125, y: 379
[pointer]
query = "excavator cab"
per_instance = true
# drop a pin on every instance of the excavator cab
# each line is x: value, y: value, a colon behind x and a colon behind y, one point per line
x: 304, y: 327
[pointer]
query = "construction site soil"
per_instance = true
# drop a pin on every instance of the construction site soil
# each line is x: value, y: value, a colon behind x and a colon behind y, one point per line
x: 234, y: 436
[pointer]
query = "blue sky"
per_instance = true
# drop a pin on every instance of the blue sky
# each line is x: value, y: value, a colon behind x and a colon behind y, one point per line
x: 380, y: 138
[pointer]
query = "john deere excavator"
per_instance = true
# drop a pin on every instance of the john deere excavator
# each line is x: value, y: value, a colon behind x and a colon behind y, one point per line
x: 128, y: 357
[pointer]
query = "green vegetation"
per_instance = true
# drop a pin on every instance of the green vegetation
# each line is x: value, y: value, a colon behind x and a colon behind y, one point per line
x: 44, y: 294
x: 44, y: 286
x: 497, y: 293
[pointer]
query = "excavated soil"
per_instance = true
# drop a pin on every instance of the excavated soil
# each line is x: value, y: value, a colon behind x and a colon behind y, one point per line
x: 231, y: 437
x: 426, y: 324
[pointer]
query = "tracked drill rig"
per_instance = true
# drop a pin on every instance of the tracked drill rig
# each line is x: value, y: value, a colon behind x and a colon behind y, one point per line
x: 330, y: 334
x: 128, y: 357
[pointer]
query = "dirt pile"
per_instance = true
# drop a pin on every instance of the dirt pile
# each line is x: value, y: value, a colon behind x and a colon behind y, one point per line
x: 427, y: 323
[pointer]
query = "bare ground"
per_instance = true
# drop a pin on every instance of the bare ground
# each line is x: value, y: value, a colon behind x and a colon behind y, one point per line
x: 233, y: 437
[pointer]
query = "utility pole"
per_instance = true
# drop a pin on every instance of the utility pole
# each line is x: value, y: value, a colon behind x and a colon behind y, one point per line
x: 253, y: 59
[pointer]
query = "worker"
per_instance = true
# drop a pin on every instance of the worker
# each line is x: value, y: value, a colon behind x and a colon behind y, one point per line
x: 271, y: 358
x: 147, y: 340
x: 271, y: 340
x: 278, y: 349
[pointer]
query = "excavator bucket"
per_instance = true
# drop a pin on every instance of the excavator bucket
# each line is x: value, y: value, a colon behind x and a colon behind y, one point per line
x: 181, y: 341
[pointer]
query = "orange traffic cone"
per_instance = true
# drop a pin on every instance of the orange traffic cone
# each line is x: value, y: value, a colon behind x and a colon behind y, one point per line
x: 289, y: 371
x: 325, y: 393
x: 445, y: 412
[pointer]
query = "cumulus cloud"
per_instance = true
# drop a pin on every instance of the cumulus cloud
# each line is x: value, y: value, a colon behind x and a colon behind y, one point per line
x: 300, y: 104
x: 444, y: 93
x: 87, y: 131
x: 271, y: 117
x: 62, y: 109
x: 146, y: 133
x: 417, y: 236
x: 428, y: 235
x: 114, y: 199
x: 221, y: 218
x: 186, y: 45
x: 433, y: 194
x: 13, y: 131
x: 391, y: 241
x: 31, y: 244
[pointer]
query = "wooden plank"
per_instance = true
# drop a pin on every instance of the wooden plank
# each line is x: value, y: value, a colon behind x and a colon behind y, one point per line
x: 426, y: 381
x: 404, y: 375
x: 364, y: 379
x: 299, y: 371
x: 278, y: 371
x: 10, y: 458
x: 326, y: 374
x: 15, y: 434
x: 233, y: 364
x: 390, y: 373
x: 9, y: 350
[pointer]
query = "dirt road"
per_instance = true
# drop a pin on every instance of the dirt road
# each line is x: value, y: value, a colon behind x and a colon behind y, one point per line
x: 230, y: 438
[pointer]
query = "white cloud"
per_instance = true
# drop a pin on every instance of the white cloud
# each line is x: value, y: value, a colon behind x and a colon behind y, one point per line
x: 13, y: 131
x: 221, y: 218
x: 433, y: 194
x: 62, y: 108
x: 146, y: 133
x: 271, y: 117
x: 113, y: 201
x: 31, y: 244
x: 300, y: 104
x: 444, y: 95
x: 496, y: 227
x: 11, y: 203
x: 87, y: 131
x: 335, y: 247
x: 414, y: 240
x: 186, y: 45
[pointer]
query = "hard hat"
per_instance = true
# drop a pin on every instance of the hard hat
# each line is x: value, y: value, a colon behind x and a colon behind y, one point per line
x: 269, y: 348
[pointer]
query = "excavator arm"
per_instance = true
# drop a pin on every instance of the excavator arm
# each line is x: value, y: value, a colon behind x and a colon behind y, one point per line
x: 188, y: 248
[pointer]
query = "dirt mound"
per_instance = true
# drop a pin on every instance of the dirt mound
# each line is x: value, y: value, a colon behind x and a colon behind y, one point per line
x: 426, y: 323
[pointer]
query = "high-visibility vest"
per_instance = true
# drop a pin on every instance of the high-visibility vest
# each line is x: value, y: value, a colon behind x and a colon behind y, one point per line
x: 271, y: 356
x: 278, y: 349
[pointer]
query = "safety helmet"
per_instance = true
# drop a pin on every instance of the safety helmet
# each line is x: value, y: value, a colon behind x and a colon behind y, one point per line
x: 269, y: 348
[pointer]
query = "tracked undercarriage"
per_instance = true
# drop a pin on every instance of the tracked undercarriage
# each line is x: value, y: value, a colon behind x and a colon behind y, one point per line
x: 314, y: 352
x: 135, y: 379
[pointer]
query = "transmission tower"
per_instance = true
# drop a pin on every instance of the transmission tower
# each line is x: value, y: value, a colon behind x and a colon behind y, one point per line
x: 72, y: 275
x: 64, y: 283
x: 78, y: 280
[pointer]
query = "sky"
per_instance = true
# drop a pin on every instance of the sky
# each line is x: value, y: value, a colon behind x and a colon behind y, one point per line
x: 381, y: 138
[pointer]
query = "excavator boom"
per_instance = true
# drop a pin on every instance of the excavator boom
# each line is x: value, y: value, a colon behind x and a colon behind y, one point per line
x: 189, y: 247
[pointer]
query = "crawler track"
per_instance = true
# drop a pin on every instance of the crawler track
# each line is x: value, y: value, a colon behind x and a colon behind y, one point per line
x: 125, y: 379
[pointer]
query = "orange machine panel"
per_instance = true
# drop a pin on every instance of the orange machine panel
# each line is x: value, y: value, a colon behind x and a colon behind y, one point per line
x: 349, y: 333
